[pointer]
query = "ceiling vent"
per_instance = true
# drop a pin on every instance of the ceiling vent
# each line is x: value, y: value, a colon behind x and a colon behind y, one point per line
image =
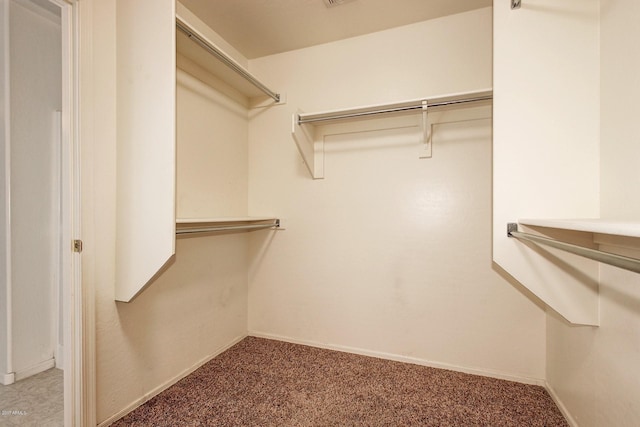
x: 332, y: 3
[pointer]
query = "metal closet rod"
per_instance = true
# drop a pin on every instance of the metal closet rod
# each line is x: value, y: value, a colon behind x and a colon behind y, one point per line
x: 213, y: 228
x: 191, y: 33
x: 392, y: 108
x: 627, y: 263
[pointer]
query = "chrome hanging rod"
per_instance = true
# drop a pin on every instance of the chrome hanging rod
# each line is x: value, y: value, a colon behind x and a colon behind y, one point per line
x: 627, y: 263
x: 214, y: 228
x: 396, y: 108
x: 193, y: 35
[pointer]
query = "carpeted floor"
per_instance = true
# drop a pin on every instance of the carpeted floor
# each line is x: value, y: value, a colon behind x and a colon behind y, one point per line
x: 261, y: 382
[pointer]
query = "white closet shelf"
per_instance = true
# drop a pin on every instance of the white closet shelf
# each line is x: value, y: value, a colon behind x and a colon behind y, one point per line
x: 195, y: 46
x: 590, y: 225
x: 414, y: 105
x: 310, y: 140
x: 210, y: 225
x: 223, y: 219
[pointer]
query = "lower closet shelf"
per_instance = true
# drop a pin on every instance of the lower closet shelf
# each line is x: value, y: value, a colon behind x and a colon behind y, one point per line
x: 186, y: 226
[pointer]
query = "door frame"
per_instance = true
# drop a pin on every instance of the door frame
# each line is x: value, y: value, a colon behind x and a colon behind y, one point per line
x: 78, y: 306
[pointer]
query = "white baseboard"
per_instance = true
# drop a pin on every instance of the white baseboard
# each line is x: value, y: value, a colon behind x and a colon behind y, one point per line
x: 7, y: 379
x: 162, y: 387
x: 406, y: 359
x: 563, y: 409
x: 35, y: 369
x: 59, y: 356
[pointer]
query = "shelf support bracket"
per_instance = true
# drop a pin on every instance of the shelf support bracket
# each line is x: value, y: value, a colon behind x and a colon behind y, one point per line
x: 312, y: 150
x: 427, y: 131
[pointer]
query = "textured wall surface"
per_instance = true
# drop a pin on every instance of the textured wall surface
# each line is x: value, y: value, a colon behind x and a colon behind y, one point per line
x: 388, y: 254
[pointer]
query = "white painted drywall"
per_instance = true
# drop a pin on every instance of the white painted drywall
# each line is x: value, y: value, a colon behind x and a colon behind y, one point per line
x: 196, y: 308
x: 595, y: 371
x: 212, y: 152
x: 620, y: 147
x: 35, y: 96
x: 198, y: 305
x: 388, y: 254
x: 546, y: 142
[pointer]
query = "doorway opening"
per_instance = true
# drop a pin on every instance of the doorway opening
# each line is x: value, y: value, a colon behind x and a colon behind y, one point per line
x: 40, y: 203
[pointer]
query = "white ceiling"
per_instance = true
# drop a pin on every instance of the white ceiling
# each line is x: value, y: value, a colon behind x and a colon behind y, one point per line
x: 264, y: 27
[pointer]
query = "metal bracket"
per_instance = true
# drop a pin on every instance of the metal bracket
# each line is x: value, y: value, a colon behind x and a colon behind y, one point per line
x: 516, y: 4
x: 77, y: 246
x: 511, y: 227
x: 426, y: 151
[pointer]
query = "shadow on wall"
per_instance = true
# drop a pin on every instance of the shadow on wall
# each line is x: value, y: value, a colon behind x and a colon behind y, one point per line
x: 518, y: 286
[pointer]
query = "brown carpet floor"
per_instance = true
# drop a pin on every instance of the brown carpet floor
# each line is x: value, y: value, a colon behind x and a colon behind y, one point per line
x: 261, y: 382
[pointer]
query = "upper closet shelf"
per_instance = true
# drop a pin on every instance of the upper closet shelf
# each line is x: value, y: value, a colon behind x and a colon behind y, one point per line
x: 416, y: 105
x: 310, y: 142
x: 194, y: 46
x: 589, y: 225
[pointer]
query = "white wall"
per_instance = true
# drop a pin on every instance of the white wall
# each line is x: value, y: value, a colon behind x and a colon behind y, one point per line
x: 198, y: 305
x: 595, y: 371
x: 389, y: 254
x: 35, y: 96
x: 212, y: 152
x: 620, y: 150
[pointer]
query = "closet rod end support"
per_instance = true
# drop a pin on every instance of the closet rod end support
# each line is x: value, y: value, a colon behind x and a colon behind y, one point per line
x: 512, y: 227
x: 516, y: 4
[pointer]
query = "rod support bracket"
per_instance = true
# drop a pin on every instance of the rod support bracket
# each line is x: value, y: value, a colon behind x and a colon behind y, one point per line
x: 511, y: 227
x: 426, y: 149
x: 516, y: 4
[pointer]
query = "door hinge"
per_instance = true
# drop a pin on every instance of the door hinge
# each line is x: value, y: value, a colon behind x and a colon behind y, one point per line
x: 77, y: 246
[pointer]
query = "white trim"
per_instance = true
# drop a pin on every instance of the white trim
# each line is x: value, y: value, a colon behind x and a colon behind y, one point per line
x: 81, y: 347
x: 35, y: 369
x: 66, y: 140
x: 406, y: 359
x: 162, y: 387
x: 79, y: 333
x: 563, y: 409
x: 7, y: 183
x: 57, y: 225
x: 8, y: 378
x: 59, y: 357
x: 80, y: 358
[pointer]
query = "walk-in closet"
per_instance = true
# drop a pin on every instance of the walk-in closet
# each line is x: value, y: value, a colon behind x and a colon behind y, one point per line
x: 267, y: 190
